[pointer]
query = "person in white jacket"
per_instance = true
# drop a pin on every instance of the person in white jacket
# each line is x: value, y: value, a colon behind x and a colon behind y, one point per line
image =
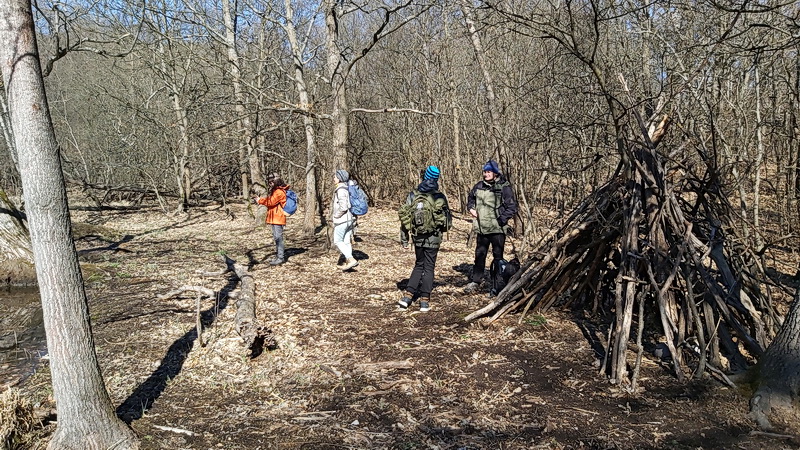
x: 343, y: 220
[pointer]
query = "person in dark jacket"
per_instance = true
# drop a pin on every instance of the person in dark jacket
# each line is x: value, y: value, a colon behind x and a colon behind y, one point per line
x: 426, y: 243
x: 492, y: 204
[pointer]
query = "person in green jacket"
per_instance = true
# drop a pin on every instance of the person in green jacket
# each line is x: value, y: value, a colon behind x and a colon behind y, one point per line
x: 492, y: 204
x: 424, y: 217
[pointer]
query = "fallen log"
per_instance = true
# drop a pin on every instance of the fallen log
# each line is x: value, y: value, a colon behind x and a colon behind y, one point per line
x: 254, y: 335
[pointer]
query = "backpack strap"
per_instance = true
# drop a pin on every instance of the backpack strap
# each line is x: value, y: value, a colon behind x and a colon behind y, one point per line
x: 497, y: 190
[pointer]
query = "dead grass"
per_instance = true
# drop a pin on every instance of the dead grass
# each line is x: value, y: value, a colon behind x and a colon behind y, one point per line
x: 18, y: 426
x: 350, y: 370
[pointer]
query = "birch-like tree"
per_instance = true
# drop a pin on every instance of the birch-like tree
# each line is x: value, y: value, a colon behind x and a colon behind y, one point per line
x: 86, y: 418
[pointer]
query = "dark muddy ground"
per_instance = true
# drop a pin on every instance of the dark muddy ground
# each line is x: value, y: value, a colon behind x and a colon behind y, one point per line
x: 350, y: 370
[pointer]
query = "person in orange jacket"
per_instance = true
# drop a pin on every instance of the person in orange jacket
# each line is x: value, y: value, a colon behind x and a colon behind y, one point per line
x: 275, y: 201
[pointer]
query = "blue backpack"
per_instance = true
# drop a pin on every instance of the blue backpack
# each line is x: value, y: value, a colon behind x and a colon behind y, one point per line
x: 358, y: 200
x: 291, y: 202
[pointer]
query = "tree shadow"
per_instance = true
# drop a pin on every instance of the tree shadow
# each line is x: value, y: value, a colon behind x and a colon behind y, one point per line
x: 294, y: 251
x: 287, y: 253
x: 592, y: 333
x: 463, y: 268
x: 143, y: 397
x: 113, y: 246
x: 783, y: 279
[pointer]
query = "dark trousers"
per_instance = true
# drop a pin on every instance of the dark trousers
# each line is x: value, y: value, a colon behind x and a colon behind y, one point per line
x: 497, y: 241
x: 420, y: 284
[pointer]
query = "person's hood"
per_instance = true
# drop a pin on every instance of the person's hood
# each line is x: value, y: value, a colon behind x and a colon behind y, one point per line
x: 430, y: 185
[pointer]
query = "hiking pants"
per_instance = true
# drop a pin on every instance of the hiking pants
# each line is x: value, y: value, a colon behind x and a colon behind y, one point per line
x: 277, y: 234
x: 420, y: 284
x: 498, y: 241
x: 341, y: 237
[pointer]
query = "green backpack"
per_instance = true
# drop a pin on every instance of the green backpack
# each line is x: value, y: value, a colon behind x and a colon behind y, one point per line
x: 422, y: 216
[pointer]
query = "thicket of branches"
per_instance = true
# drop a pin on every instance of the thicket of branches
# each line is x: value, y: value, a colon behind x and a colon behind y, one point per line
x: 660, y: 256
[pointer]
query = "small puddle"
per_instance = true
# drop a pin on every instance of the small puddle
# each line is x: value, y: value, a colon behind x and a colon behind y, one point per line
x: 22, y: 339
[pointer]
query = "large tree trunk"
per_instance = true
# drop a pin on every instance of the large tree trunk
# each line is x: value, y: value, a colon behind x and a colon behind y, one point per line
x: 337, y: 74
x: 778, y: 372
x: 254, y: 335
x: 246, y: 147
x: 86, y: 418
x: 309, y: 222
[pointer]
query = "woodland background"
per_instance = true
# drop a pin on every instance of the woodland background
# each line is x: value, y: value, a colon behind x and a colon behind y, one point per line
x: 188, y: 102
x: 186, y: 105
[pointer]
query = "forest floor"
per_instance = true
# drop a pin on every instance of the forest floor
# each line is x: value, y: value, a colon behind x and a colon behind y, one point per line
x: 350, y: 370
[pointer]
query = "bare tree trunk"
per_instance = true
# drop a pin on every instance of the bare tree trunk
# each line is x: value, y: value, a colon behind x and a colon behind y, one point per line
x: 309, y: 218
x: 794, y: 148
x: 336, y: 72
x: 759, y: 158
x: 459, y: 163
x: 778, y: 378
x: 498, y: 137
x: 181, y: 158
x: 247, y: 153
x: 86, y: 418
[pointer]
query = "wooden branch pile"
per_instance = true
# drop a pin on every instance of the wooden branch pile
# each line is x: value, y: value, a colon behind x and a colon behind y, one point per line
x: 660, y: 254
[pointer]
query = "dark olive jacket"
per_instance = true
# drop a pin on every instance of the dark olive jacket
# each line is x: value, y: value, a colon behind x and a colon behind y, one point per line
x: 495, y: 204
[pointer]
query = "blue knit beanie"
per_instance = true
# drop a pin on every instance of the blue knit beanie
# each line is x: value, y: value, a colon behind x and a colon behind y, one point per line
x: 491, y: 166
x: 432, y: 173
x: 342, y: 175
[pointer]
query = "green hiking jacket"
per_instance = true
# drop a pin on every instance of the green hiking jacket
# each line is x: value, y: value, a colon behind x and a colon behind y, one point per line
x: 495, y: 204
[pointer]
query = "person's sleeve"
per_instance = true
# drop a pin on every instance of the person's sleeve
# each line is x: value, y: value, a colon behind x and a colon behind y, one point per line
x: 509, y: 205
x: 278, y: 197
x: 471, y: 198
x: 342, y: 203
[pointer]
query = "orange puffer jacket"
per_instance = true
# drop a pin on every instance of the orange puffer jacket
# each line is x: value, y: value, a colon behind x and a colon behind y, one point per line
x: 275, y: 203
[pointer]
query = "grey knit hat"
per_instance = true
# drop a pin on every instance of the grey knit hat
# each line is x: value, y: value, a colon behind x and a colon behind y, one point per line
x: 342, y: 175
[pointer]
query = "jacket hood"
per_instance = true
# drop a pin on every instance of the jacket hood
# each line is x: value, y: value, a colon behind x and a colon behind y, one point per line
x: 430, y: 185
